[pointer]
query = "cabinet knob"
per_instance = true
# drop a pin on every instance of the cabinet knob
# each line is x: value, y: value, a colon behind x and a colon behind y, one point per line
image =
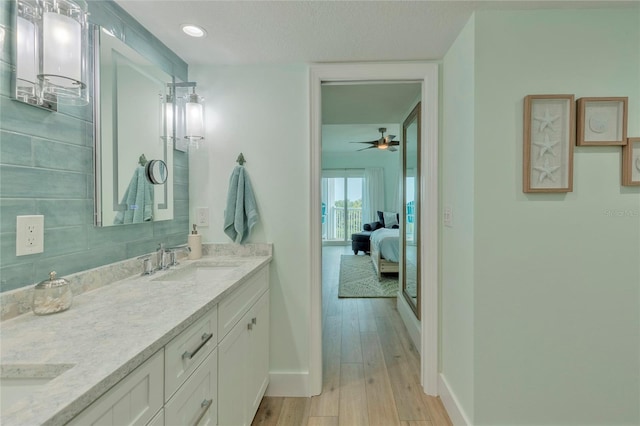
x: 250, y: 326
x: 254, y: 320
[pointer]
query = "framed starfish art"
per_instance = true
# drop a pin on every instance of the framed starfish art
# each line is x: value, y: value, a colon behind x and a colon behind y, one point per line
x: 549, y: 137
x: 631, y: 162
x: 602, y: 121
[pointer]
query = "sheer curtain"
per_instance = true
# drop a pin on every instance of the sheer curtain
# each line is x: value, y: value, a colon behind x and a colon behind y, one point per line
x: 373, y: 199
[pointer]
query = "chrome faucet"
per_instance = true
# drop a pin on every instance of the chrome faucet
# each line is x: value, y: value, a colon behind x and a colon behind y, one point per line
x: 173, y: 259
x: 161, y: 258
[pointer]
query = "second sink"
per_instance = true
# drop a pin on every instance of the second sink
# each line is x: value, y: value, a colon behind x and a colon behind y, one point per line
x: 200, y: 272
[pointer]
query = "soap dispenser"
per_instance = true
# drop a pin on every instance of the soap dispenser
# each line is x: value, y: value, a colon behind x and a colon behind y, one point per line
x: 194, y: 241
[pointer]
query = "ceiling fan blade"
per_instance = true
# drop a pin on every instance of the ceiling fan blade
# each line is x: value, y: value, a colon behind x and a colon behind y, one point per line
x: 372, y: 142
x: 367, y: 148
x: 391, y: 137
x: 394, y: 143
x: 392, y: 149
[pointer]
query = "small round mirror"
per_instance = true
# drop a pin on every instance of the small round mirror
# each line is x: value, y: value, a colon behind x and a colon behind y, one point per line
x: 156, y: 171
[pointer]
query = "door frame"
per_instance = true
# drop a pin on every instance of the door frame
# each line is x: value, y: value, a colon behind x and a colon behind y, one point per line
x: 428, y: 74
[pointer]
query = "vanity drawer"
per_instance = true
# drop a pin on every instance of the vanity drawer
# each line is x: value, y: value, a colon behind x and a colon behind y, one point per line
x: 236, y: 304
x: 196, y: 402
x: 133, y: 401
x: 186, y: 351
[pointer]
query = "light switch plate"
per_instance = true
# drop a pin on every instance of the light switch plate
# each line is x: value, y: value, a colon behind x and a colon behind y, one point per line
x: 448, y: 216
x: 29, y: 234
x: 202, y: 216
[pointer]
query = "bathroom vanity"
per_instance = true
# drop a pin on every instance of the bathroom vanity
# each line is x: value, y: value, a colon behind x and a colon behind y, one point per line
x: 185, y: 346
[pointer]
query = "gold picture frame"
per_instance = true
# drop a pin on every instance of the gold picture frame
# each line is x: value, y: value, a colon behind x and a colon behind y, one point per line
x: 602, y: 121
x: 631, y: 162
x: 548, y: 140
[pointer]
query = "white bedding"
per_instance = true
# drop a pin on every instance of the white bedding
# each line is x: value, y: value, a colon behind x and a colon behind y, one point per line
x: 387, y: 242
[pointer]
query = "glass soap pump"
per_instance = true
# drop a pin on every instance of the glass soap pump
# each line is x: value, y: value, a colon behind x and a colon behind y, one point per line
x: 51, y: 296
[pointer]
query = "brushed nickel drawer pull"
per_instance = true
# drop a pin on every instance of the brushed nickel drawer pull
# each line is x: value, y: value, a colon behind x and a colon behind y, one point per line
x: 249, y: 326
x: 205, y: 406
x: 205, y: 338
x: 254, y: 320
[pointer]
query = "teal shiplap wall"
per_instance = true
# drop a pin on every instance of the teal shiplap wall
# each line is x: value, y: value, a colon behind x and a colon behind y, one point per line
x: 46, y: 167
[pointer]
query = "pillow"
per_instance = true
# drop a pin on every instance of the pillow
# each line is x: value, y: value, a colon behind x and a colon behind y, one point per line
x: 381, y: 218
x: 390, y: 219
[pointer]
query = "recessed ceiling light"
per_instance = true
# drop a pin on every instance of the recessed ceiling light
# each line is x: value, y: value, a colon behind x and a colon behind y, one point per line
x: 193, y: 30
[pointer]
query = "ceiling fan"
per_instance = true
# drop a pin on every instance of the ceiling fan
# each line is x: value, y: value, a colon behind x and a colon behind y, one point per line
x: 385, y: 142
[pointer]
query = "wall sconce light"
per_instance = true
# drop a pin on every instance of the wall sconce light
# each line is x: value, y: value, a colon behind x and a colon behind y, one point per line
x: 51, y: 52
x: 186, y: 114
x: 194, y: 110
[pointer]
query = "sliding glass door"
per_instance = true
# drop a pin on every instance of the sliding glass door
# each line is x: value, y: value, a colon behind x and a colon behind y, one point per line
x: 341, y: 204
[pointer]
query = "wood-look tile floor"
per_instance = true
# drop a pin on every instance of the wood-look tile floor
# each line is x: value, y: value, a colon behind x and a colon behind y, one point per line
x: 371, y: 370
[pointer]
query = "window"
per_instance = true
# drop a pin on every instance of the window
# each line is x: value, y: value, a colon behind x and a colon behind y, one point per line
x: 342, y: 192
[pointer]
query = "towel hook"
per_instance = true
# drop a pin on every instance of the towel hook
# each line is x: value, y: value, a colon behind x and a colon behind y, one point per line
x: 142, y: 160
x: 240, y: 160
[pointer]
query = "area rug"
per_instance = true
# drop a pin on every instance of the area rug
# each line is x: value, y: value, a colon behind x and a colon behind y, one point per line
x: 358, y: 279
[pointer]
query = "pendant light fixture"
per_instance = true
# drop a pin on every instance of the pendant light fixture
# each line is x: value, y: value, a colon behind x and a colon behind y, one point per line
x: 55, y: 34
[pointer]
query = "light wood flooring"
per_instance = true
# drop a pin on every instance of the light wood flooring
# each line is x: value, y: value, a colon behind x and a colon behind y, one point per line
x: 371, y: 370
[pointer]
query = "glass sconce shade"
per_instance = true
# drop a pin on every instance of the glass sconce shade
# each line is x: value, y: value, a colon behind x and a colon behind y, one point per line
x: 61, y: 54
x: 63, y: 57
x: 52, y: 52
x: 26, y: 75
x: 194, y: 111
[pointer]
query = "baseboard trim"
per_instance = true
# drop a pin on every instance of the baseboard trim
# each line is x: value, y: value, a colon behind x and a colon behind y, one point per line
x: 288, y: 384
x: 451, y: 404
x: 410, y: 321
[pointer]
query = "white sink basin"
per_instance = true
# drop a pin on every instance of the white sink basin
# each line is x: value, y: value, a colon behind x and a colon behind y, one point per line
x: 200, y: 272
x: 18, y: 381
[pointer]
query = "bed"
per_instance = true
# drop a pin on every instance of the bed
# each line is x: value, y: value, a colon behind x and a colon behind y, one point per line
x: 385, y: 250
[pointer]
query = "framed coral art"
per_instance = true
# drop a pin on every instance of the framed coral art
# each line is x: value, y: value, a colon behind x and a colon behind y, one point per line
x: 549, y: 137
x: 631, y: 162
x: 602, y: 121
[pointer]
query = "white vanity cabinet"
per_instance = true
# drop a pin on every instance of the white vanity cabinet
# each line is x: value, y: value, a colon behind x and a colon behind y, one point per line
x: 243, y: 372
x: 135, y: 400
x: 215, y: 371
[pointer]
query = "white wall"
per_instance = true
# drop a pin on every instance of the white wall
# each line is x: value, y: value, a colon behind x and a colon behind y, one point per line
x: 457, y: 186
x: 556, y: 277
x: 263, y: 112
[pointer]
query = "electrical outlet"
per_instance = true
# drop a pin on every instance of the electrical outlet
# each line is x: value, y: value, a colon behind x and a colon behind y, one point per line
x: 202, y: 216
x: 29, y: 234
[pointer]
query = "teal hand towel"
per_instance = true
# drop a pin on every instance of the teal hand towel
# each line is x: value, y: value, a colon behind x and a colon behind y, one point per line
x: 138, y: 199
x: 241, y: 213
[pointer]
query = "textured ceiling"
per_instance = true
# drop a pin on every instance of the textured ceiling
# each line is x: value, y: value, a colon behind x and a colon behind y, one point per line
x: 248, y: 32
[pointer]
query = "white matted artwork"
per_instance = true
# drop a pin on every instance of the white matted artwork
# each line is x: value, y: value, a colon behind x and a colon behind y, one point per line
x: 549, y: 136
x: 602, y: 121
x: 631, y: 162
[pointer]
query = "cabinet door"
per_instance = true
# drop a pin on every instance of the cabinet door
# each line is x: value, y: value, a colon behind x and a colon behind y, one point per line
x: 258, y: 353
x: 133, y: 401
x: 232, y: 375
x: 195, y: 403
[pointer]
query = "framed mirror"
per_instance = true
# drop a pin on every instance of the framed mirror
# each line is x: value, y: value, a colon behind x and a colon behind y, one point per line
x: 134, y: 151
x: 411, y: 211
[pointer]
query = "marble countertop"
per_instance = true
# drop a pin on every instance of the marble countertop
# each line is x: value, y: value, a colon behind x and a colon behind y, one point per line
x: 105, y: 335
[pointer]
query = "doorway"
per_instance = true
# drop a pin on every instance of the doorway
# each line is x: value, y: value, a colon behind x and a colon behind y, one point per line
x: 428, y: 75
